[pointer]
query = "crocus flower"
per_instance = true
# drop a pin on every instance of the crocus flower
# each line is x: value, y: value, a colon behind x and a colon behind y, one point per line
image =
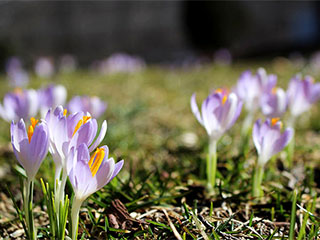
x: 219, y: 112
x: 121, y: 62
x: 51, y: 97
x: 44, y: 67
x: 268, y: 140
x: 19, y: 104
x: 88, y: 174
x: 17, y: 76
x: 67, y: 132
x: 249, y: 89
x: 30, y: 148
x: 94, y: 105
x: 302, y: 93
x: 274, y: 103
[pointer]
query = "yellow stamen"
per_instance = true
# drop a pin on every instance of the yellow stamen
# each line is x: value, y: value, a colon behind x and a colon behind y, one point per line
x: 274, y: 121
x: 224, y: 93
x: 65, y: 112
x: 18, y: 91
x: 274, y: 90
x: 31, y: 128
x: 80, y: 123
x: 97, y: 157
x: 224, y: 99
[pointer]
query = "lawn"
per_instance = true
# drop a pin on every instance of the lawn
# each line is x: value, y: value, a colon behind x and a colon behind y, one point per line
x: 161, y: 191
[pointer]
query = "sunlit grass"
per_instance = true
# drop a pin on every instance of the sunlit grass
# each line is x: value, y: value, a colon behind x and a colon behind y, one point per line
x: 149, y: 119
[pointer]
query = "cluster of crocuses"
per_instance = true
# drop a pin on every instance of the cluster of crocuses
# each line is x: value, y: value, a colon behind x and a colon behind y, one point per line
x: 221, y: 108
x: 44, y: 67
x: 73, y: 141
x: 26, y: 103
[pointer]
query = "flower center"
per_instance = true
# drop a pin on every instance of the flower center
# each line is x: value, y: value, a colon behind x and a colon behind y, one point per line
x: 224, y: 95
x: 18, y: 91
x: 32, y: 127
x: 274, y: 121
x: 96, y: 160
x: 274, y: 90
x: 80, y: 123
x: 65, y: 111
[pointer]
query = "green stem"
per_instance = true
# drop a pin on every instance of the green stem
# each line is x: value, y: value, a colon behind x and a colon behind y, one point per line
x: 76, y: 204
x: 28, y: 199
x: 245, y: 133
x: 59, y: 196
x: 291, y: 145
x: 257, y: 180
x: 212, y: 164
x: 247, y: 124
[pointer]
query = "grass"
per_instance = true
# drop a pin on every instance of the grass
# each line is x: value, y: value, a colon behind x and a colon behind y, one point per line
x: 162, y: 185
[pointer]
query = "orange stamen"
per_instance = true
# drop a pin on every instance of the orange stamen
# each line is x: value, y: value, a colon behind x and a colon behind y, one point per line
x: 65, y: 112
x: 219, y: 90
x: 274, y: 90
x: 31, y: 128
x: 96, y: 160
x: 18, y: 91
x: 80, y: 123
x: 274, y: 121
x: 224, y: 92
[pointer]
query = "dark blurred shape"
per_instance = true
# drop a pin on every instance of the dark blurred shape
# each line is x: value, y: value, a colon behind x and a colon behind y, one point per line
x: 251, y: 28
x: 92, y: 30
x: 157, y: 30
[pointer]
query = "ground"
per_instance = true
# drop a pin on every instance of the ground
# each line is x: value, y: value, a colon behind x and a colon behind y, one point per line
x: 161, y: 191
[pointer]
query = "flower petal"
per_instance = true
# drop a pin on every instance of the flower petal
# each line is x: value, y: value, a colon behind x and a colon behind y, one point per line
x: 101, y: 136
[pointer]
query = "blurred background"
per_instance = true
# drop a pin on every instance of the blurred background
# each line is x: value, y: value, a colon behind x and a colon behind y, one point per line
x: 158, y: 32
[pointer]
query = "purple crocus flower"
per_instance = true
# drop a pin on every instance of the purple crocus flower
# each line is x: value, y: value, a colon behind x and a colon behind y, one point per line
x: 121, y: 62
x: 19, y: 104
x: 302, y: 93
x: 219, y: 112
x: 268, y: 139
x: 30, y: 147
x: 17, y: 76
x: 94, y: 105
x: 67, y: 132
x: 51, y: 97
x: 250, y: 87
x: 89, y: 174
x: 44, y: 67
x: 274, y: 103
x: 71, y: 131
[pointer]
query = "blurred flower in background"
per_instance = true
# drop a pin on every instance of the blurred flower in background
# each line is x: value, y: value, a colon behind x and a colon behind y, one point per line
x: 19, y: 104
x: 274, y: 103
x: 121, y: 62
x: 94, y: 105
x: 17, y: 76
x: 51, y: 97
x: 44, y: 67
